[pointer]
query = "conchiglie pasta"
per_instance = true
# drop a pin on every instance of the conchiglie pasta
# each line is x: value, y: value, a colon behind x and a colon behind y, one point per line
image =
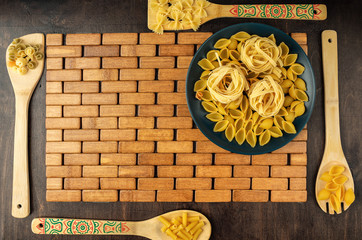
x: 331, y: 186
x: 209, y: 106
x: 230, y: 132
x: 239, y: 124
x: 241, y: 36
x: 341, y: 179
x: 205, y: 75
x: 203, y: 95
x: 264, y: 138
x: 300, y: 84
x: 251, y: 138
x: 290, y: 116
x: 258, y: 130
x: 206, y: 64
x: 278, y: 122
x: 335, y: 203
x: 323, y: 194
x: 297, y: 69
x: 267, y: 123
x: 340, y: 193
x: 200, y: 85
x: 215, y: 117
x: 287, y: 101
x: 299, y: 110
x: 222, y: 43
x: 234, y: 55
x: 212, y: 55
x: 275, y: 132
x: 301, y: 95
x: 233, y: 44
x: 326, y: 177
x: 248, y: 125
x: 284, y: 49
x: 349, y: 197
x: 224, y: 53
x: 236, y: 114
x: 289, y: 127
x: 221, y: 125
x: 240, y: 136
x: 282, y: 112
x: 234, y: 104
x: 230, y: 119
x: 290, y: 59
x: 336, y: 170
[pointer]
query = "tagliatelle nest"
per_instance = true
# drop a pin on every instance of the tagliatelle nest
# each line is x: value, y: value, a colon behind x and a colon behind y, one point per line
x: 227, y: 83
x: 266, y: 97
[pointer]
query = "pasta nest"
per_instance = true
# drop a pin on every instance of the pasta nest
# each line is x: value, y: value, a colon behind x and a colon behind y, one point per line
x: 260, y: 54
x: 227, y: 83
x: 266, y: 97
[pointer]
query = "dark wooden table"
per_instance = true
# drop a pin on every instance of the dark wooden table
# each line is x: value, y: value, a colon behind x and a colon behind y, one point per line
x: 229, y: 220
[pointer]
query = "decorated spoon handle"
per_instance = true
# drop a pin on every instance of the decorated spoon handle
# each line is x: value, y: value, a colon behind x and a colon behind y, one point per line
x: 275, y: 11
x: 82, y: 226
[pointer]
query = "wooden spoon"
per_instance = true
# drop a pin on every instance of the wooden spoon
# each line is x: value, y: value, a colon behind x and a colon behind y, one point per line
x: 333, y: 153
x: 150, y: 228
x: 273, y: 11
x: 23, y: 86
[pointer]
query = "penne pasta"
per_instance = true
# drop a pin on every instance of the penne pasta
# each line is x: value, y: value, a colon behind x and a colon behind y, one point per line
x: 182, y: 227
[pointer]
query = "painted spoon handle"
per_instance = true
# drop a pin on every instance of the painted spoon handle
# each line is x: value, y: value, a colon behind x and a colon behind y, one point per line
x: 273, y: 11
x: 21, y: 191
x: 83, y: 227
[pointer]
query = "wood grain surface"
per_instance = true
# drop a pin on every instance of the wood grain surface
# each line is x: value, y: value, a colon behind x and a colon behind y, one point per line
x: 170, y: 132
x: 245, y: 220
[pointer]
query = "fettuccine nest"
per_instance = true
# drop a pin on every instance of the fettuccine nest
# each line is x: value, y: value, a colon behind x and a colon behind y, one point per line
x: 266, y: 97
x: 227, y: 83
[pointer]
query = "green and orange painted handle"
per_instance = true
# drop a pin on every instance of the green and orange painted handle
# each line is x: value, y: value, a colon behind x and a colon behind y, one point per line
x: 150, y: 228
x: 273, y: 11
x: 266, y: 11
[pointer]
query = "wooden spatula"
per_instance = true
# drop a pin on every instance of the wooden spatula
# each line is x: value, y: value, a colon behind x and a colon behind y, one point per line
x: 150, y: 228
x: 273, y: 11
x: 333, y: 153
x: 23, y: 86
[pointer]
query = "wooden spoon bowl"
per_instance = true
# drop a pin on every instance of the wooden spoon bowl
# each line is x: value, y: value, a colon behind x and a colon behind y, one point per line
x: 23, y: 86
x: 150, y: 228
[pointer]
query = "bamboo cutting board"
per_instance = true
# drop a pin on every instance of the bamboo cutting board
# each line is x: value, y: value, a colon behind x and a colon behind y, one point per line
x: 118, y: 128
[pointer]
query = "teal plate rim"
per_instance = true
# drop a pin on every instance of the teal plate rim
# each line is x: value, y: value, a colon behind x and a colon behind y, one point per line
x: 198, y: 113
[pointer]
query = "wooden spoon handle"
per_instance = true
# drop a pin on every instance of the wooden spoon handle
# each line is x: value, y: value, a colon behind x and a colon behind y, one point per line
x: 274, y: 11
x: 330, y: 72
x: 21, y: 192
x: 82, y: 226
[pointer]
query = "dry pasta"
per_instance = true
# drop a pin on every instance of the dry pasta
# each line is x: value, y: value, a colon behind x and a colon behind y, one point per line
x: 334, y: 190
x: 23, y: 57
x: 251, y: 89
x: 182, y: 227
x: 178, y: 14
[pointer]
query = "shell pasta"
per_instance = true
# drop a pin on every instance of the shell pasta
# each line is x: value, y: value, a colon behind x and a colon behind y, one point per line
x: 251, y: 89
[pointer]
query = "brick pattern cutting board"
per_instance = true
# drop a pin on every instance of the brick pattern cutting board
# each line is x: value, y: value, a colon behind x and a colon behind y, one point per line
x: 118, y: 128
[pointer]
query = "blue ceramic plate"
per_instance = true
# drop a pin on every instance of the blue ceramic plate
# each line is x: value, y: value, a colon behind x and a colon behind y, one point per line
x: 198, y: 113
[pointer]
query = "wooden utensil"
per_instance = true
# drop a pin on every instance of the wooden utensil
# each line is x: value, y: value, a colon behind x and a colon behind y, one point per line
x: 23, y: 86
x: 333, y: 153
x: 273, y: 11
x: 150, y: 228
